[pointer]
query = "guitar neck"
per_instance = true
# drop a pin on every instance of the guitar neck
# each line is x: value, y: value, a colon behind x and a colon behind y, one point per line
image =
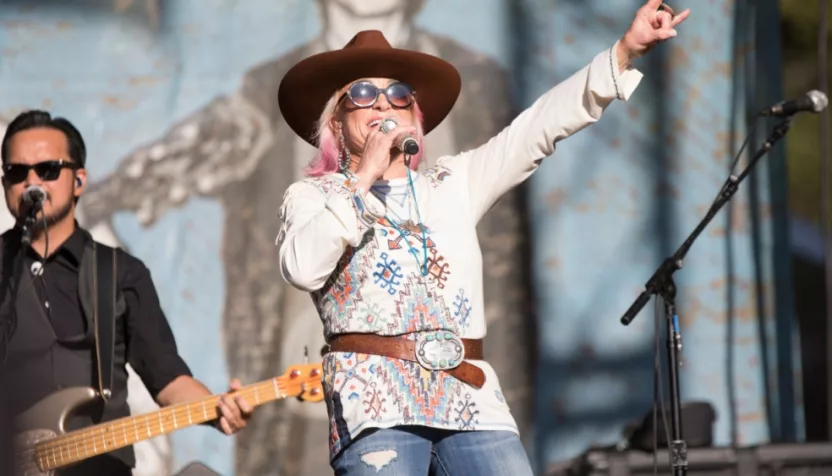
x: 88, y: 442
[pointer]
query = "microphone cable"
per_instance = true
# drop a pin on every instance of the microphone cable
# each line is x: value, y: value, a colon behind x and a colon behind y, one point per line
x: 45, y: 240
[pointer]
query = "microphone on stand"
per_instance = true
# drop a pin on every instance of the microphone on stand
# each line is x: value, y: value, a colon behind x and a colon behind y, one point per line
x: 34, y: 196
x: 813, y: 101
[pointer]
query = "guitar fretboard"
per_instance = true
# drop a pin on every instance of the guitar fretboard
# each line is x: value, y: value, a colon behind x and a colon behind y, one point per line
x: 86, y: 443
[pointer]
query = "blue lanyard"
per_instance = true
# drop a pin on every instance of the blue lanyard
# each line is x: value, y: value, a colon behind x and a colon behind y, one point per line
x: 423, y: 267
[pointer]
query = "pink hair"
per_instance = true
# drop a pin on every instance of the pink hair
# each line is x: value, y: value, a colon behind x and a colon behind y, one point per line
x: 326, y: 160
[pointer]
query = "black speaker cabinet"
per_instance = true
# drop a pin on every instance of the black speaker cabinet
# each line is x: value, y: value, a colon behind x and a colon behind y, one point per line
x: 792, y: 459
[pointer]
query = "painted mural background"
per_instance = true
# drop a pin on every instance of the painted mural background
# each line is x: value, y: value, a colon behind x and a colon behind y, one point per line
x: 189, y: 158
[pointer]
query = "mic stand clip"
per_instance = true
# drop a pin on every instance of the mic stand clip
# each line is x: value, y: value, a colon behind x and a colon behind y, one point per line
x: 661, y: 284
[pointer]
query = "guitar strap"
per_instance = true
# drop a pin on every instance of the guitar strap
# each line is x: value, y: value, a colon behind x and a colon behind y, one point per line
x: 104, y: 291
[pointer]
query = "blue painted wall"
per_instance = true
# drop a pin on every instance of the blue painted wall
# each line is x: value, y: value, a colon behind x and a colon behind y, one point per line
x: 613, y: 201
x: 618, y: 198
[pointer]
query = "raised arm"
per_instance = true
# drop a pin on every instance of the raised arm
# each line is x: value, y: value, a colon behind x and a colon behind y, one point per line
x: 219, y: 144
x: 515, y: 153
x: 317, y: 222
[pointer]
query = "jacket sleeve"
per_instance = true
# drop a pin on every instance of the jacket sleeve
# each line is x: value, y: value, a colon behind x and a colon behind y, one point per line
x: 316, y: 228
x: 514, y: 154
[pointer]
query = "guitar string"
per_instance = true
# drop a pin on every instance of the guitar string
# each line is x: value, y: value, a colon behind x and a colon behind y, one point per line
x: 166, y: 410
x: 54, y: 450
x: 171, y: 410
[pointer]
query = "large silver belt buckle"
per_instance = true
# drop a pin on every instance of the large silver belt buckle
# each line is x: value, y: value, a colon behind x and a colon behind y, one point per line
x: 439, y: 350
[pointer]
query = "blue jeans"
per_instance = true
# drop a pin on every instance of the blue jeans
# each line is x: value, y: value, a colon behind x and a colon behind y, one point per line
x: 420, y: 451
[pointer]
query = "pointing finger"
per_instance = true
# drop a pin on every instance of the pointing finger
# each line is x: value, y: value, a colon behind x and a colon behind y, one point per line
x: 680, y: 17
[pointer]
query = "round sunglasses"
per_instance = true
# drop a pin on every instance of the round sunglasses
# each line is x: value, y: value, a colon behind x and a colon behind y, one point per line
x: 364, y: 94
x: 47, y: 170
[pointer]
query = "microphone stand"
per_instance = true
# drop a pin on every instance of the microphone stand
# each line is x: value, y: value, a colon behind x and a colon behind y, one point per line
x: 29, y: 222
x: 8, y: 322
x: 661, y: 284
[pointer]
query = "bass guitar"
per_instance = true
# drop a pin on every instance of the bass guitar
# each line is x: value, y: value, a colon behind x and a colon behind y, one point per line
x: 42, y: 446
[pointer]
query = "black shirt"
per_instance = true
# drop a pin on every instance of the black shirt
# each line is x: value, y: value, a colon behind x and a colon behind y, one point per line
x: 147, y: 342
x: 151, y: 348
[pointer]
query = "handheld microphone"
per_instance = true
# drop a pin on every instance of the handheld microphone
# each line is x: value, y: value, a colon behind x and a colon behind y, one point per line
x: 34, y: 196
x: 814, y: 101
x: 406, y: 143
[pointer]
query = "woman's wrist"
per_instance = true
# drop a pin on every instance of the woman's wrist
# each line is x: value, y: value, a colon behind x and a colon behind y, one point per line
x: 624, y: 55
x: 363, y: 179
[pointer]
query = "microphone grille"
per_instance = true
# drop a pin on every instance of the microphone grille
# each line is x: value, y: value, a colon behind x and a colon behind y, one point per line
x: 34, y: 193
x: 819, y: 100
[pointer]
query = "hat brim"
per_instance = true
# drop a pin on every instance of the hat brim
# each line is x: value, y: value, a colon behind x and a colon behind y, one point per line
x: 308, y: 85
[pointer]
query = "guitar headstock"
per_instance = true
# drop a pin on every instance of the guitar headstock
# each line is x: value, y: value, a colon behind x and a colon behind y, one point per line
x: 306, y: 381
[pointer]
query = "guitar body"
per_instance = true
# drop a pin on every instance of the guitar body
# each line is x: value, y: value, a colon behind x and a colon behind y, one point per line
x: 45, y: 421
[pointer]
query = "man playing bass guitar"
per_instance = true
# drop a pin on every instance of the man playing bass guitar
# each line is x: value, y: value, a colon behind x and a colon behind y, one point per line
x: 74, y: 312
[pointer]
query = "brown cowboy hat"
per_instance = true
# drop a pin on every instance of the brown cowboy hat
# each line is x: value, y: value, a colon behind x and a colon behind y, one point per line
x: 308, y: 85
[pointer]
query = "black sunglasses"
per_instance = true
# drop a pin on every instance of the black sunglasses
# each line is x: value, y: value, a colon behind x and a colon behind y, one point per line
x: 47, y: 170
x: 364, y: 94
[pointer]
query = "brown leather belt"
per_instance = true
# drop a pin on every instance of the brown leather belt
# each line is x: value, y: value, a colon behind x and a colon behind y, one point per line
x: 396, y: 347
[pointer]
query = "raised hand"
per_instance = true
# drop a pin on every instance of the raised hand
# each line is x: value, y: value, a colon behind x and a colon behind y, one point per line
x: 376, y: 156
x: 654, y: 22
